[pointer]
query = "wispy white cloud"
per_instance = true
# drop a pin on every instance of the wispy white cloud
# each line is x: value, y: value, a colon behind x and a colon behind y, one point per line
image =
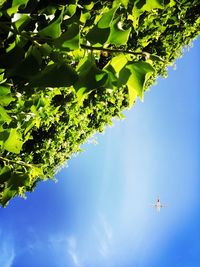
x: 66, y: 247
x: 7, y: 251
x: 74, y: 257
x: 104, y: 235
x: 73, y: 251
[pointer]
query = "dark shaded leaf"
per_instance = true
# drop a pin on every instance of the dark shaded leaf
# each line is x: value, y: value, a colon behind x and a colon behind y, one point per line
x: 55, y: 75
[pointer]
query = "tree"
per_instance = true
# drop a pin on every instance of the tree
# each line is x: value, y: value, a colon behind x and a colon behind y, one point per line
x: 68, y: 67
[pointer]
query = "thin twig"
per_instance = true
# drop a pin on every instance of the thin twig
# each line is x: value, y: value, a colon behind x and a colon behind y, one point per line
x: 111, y: 50
x: 16, y: 162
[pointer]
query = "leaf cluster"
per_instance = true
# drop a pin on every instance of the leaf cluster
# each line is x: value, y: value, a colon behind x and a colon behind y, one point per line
x: 68, y: 67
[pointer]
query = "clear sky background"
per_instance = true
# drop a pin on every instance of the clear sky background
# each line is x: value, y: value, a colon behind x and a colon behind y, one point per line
x: 99, y: 214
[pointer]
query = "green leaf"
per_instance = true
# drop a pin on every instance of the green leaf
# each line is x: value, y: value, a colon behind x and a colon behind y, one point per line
x: 70, y: 39
x: 2, y: 2
x: 100, y: 32
x: 53, y: 30
x: 151, y: 4
x: 90, y: 77
x: 4, y: 90
x: 118, y: 36
x: 14, y: 142
x: 113, y: 68
x: 3, y: 136
x: 22, y: 21
x: 19, y: 2
x: 35, y: 172
x: 135, y: 75
x: 5, y: 100
x: 5, y: 174
x: 55, y: 75
x: 118, y: 62
x: 29, y: 66
x: 126, y: 78
x: 70, y: 9
x: 12, y: 58
x: 107, y: 18
x: 140, y: 72
x: 2, y: 78
x: 84, y: 17
x: 4, y: 115
x: 15, y: 6
x: 7, y: 195
x: 45, y: 49
x: 98, y: 36
x: 140, y: 6
x: 121, y: 2
x: 89, y: 6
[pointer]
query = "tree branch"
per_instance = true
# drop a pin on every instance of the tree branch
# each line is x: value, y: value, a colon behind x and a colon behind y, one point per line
x: 111, y: 50
x: 16, y: 162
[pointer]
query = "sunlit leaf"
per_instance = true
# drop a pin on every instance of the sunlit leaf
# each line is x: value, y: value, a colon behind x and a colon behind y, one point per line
x: 118, y: 36
x: 140, y: 72
x: 14, y: 142
x: 4, y: 90
x: 70, y: 9
x: 118, y: 62
x: 5, y: 100
x: 122, y: 2
x: 4, y: 115
x: 20, y: 20
x: 100, y: 32
x: 107, y: 18
x: 70, y: 39
x: 53, y: 30
x: 19, y: 2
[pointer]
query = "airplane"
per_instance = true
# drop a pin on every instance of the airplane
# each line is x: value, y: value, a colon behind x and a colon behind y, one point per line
x: 158, y: 205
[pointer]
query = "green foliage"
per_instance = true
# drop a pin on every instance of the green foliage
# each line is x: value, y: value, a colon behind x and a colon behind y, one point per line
x: 66, y: 69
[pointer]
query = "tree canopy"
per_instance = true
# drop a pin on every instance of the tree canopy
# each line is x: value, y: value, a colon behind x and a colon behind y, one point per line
x: 68, y: 67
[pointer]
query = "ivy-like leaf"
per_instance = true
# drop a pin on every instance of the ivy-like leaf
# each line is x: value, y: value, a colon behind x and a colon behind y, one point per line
x: 70, y: 39
x: 19, y: 2
x: 107, y: 18
x: 55, y: 75
x: 118, y: 62
x: 5, y: 174
x: 71, y: 9
x: 53, y: 30
x: 5, y: 100
x: 22, y: 21
x: 140, y: 6
x: 134, y: 75
x: 140, y: 72
x: 26, y: 68
x: 14, y: 142
x: 118, y: 36
x: 2, y: 2
x: 122, y: 2
x: 15, y: 6
x: 90, y: 77
x: 7, y: 195
x: 99, y: 34
x: 4, y: 90
x: 12, y: 58
x: 4, y: 117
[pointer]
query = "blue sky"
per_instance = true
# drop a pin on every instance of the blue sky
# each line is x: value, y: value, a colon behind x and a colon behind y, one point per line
x: 98, y: 214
